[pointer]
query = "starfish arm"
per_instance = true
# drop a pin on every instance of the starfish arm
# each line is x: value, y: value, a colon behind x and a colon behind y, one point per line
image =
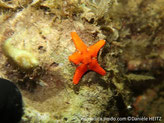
x: 79, y: 44
x: 75, y: 58
x: 96, y: 67
x: 94, y: 49
x: 80, y: 70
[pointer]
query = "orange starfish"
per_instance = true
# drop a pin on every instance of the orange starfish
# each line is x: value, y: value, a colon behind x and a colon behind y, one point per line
x: 85, y: 57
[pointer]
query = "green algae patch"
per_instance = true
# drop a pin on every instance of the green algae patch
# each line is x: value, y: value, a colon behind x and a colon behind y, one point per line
x: 138, y: 77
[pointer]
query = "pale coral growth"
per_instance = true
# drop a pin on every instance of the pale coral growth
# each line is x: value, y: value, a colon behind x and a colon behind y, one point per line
x: 22, y: 58
x: 95, y: 9
x: 63, y: 8
x: 13, y: 4
x: 99, y: 7
x: 4, y: 16
x: 6, y: 5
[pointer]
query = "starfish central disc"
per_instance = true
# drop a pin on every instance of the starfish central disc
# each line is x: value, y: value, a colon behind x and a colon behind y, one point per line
x: 86, y: 58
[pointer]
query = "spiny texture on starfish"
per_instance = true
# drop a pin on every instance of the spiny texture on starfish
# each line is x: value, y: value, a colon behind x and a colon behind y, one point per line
x: 85, y: 57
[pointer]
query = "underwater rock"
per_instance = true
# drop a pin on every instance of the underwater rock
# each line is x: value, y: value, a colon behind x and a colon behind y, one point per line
x: 132, y: 56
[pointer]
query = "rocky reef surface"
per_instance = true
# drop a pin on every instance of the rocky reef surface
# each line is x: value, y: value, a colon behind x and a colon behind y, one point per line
x: 36, y: 58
